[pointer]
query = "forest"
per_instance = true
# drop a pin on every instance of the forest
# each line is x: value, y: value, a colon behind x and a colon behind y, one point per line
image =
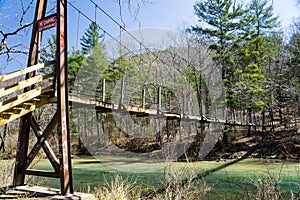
x: 235, y: 72
x: 259, y: 69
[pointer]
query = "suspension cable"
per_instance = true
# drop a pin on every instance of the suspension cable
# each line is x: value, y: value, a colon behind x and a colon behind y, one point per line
x: 77, y: 34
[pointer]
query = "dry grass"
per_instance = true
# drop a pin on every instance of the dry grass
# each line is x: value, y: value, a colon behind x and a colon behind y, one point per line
x: 180, y: 183
x: 268, y: 188
x: 118, y: 188
x: 6, y: 173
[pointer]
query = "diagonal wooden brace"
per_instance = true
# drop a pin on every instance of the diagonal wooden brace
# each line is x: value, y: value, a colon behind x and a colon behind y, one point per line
x: 44, y: 143
x: 41, y: 144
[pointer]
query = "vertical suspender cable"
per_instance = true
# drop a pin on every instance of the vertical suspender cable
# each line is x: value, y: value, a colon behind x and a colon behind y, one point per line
x: 96, y: 6
x: 77, y: 34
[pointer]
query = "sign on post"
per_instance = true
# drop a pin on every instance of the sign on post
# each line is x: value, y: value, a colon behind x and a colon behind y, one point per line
x: 47, y: 23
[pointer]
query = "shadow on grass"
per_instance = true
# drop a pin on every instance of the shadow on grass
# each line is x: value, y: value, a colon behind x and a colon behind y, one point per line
x: 204, y: 174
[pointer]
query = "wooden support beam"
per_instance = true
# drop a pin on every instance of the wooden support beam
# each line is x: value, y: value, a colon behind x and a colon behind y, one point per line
x: 62, y: 99
x: 23, y: 139
x: 41, y: 173
x: 21, y: 112
x: 34, y: 151
x: 43, y: 142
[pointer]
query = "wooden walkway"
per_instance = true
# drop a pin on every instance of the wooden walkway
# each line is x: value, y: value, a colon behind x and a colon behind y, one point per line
x: 43, y: 193
x: 19, y: 96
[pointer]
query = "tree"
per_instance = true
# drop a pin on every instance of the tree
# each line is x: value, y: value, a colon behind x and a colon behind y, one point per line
x: 13, y: 28
x: 257, y: 48
x: 91, y: 51
x: 294, y: 45
x: 75, y: 60
x: 221, y: 20
x: 90, y: 38
x: 260, y: 20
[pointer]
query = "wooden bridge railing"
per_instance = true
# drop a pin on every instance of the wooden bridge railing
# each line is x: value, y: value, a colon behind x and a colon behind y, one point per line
x: 20, y: 95
x: 154, y: 99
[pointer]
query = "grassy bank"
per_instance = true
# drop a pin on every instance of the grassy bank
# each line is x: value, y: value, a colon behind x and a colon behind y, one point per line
x: 247, y: 179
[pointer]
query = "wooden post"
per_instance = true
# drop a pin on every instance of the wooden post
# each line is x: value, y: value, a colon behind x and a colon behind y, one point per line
x: 122, y: 93
x: 158, y: 99
x: 63, y: 101
x: 62, y: 168
x: 103, y: 90
x: 24, y: 128
x: 144, y: 97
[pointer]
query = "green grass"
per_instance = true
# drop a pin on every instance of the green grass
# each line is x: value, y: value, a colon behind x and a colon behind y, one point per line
x: 227, y: 183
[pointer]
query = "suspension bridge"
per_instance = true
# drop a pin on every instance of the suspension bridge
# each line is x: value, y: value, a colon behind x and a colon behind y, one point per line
x: 25, y: 90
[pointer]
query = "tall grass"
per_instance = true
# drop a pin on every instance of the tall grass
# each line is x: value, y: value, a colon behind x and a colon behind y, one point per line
x: 181, y: 183
x: 249, y: 180
x: 118, y: 188
x: 6, y: 173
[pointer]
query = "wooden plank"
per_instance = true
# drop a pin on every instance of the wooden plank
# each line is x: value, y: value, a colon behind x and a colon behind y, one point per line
x: 48, y: 76
x: 47, y: 89
x: 22, y: 98
x: 25, y: 71
x: 16, y: 116
x: 20, y: 85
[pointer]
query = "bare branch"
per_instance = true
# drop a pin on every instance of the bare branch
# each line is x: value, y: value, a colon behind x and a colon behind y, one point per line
x: 133, y: 6
x: 25, y: 10
x: 6, y: 44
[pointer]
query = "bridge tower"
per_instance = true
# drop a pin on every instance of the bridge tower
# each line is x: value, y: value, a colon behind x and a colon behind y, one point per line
x: 24, y: 157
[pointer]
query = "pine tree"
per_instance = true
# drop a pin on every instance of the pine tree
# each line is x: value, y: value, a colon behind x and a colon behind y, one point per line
x: 256, y: 49
x: 221, y: 20
x: 75, y: 60
x: 91, y: 38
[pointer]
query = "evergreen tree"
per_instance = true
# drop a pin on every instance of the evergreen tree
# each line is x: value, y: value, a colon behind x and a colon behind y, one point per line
x: 221, y: 20
x: 92, y: 72
x: 260, y: 22
x: 257, y: 48
x: 294, y: 45
x: 91, y: 38
x: 75, y: 60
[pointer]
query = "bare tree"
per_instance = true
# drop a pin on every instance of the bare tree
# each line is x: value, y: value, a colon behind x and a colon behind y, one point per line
x: 7, y: 45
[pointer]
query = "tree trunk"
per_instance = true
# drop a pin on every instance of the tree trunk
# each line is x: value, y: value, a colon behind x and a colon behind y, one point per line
x: 2, y: 137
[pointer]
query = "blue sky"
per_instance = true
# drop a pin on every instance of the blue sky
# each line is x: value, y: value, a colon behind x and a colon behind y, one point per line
x: 166, y: 14
x: 171, y: 14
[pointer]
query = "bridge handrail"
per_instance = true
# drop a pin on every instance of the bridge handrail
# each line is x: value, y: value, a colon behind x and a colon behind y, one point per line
x: 25, y: 71
x: 12, y: 88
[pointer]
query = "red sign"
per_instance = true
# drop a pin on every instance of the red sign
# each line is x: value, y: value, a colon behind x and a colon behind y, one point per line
x: 47, y: 23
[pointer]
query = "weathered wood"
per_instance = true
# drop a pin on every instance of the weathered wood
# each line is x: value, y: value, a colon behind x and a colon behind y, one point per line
x: 42, y: 173
x: 22, y: 98
x: 34, y: 151
x: 45, y: 145
x: 20, y: 85
x: 66, y: 182
x: 21, y: 113
x: 24, y: 71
